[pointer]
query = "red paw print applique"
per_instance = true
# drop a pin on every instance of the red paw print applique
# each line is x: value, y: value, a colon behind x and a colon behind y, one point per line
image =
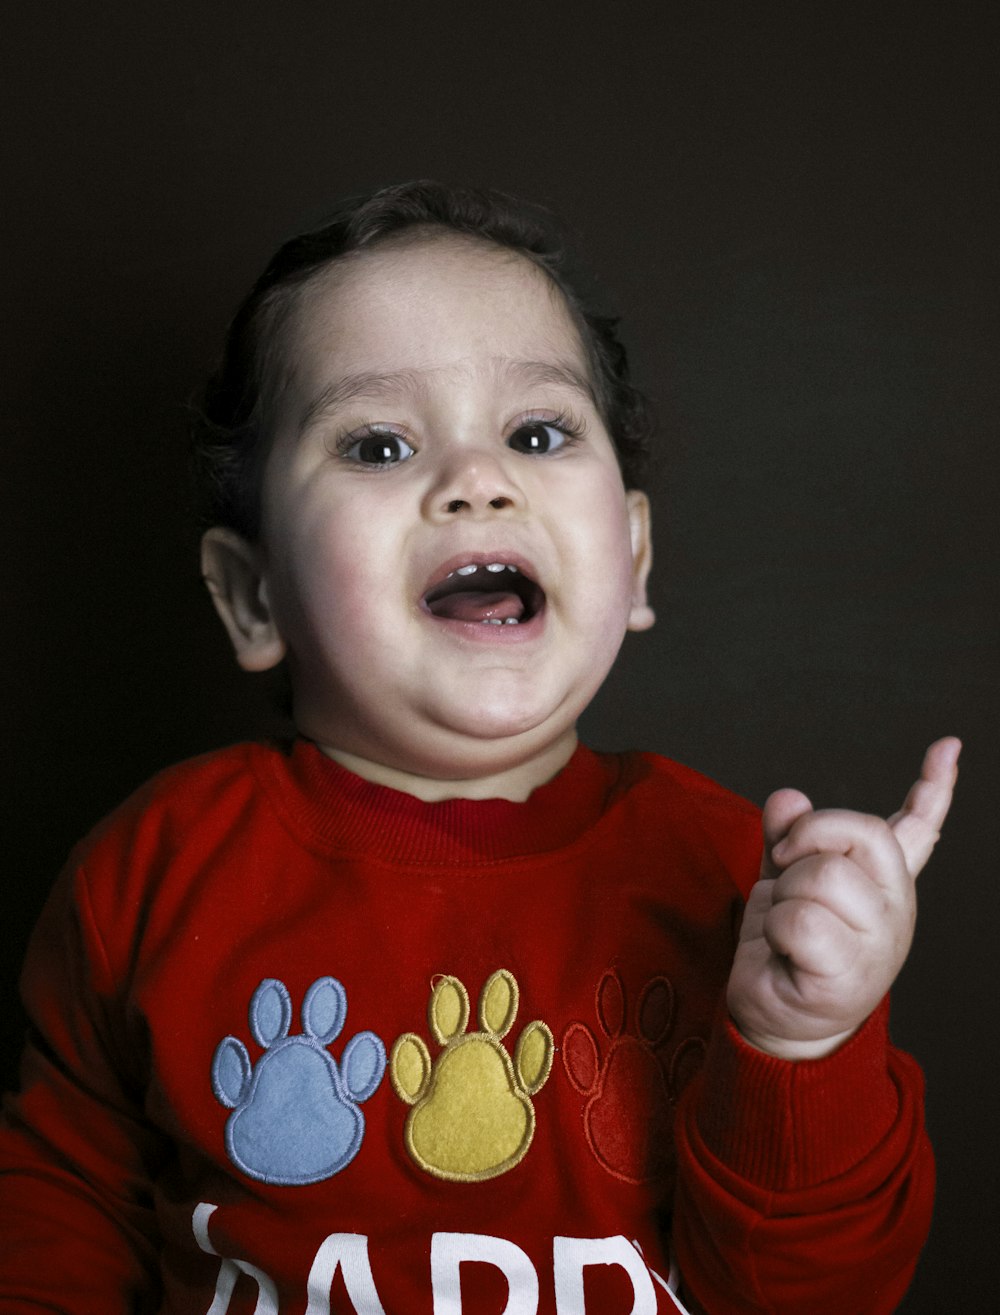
x: 632, y: 1089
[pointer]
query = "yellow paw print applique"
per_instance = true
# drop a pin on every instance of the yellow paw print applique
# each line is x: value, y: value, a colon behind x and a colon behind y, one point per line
x: 472, y: 1116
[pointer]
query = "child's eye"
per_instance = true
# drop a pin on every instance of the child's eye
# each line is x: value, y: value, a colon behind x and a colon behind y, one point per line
x: 377, y: 449
x: 539, y: 437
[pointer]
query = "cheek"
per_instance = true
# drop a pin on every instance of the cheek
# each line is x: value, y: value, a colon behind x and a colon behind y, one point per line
x: 312, y: 572
x: 605, y: 545
x: 340, y: 577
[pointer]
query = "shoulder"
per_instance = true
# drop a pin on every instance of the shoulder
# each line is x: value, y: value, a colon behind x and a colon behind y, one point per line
x: 677, y: 806
x: 203, y: 793
x: 671, y: 784
x: 151, y: 852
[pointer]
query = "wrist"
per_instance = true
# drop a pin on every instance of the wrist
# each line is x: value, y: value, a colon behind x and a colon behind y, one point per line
x: 785, y: 1125
x: 795, y: 1050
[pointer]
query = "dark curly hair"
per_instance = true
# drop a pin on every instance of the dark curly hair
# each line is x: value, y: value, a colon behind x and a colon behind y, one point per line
x: 232, y: 427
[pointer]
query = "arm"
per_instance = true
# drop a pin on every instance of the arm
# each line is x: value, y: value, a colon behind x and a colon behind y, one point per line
x: 805, y: 1175
x: 76, y: 1216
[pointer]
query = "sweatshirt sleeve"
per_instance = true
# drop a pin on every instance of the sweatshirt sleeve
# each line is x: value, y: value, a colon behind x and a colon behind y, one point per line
x: 76, y: 1215
x: 803, y: 1186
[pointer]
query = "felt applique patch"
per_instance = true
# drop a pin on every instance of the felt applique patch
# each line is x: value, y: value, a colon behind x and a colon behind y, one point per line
x: 472, y: 1115
x: 295, y: 1116
x: 632, y: 1089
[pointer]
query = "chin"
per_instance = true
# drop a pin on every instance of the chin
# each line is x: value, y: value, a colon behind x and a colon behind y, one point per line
x: 504, y: 720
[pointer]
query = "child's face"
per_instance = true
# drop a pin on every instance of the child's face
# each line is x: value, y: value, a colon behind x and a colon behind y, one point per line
x: 423, y: 432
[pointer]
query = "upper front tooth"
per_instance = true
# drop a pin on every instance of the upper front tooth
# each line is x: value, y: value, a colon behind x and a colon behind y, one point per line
x: 471, y: 569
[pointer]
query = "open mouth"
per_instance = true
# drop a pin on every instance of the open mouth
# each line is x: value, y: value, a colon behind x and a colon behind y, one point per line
x: 489, y: 593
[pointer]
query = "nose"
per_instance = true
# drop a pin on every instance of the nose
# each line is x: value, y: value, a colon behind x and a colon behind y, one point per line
x: 473, y: 484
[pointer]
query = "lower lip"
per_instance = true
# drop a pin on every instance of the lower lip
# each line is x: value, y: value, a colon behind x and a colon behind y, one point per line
x: 483, y: 632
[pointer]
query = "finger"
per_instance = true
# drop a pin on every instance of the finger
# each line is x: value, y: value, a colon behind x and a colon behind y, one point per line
x: 838, y: 885
x: 917, y: 825
x: 781, y: 811
x: 868, y: 841
x: 930, y: 795
x: 811, y: 938
x: 758, y: 906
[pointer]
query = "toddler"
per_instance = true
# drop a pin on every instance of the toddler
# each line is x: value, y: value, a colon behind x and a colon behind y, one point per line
x: 434, y: 1010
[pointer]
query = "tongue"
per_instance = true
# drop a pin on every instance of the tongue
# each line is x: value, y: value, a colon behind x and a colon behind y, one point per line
x: 476, y: 605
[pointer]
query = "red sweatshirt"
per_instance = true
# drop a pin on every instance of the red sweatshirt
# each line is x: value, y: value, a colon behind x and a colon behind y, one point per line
x: 306, y: 1044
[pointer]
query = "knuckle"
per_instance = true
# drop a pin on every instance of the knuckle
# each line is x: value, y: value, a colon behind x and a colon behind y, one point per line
x: 824, y: 875
x: 805, y: 920
x: 834, y: 869
x: 871, y: 828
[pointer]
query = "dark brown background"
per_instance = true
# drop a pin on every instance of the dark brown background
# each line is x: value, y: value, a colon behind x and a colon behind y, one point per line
x: 794, y: 206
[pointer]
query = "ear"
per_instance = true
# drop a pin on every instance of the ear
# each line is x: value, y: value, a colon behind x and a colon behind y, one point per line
x: 233, y: 573
x: 641, y: 616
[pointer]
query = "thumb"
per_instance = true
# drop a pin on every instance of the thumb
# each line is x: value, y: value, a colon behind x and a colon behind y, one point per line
x: 782, y: 809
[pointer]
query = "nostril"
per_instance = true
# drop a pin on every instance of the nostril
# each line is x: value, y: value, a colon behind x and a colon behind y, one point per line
x: 460, y: 504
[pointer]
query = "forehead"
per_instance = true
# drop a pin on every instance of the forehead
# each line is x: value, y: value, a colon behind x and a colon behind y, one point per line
x: 429, y: 304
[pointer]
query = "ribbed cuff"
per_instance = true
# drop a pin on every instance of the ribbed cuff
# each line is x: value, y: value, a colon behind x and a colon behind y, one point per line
x: 785, y: 1125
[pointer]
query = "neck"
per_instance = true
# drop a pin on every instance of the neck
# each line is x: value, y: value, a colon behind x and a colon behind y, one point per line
x: 514, y: 783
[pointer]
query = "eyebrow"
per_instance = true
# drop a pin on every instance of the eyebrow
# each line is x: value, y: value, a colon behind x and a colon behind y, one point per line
x: 561, y: 373
x: 399, y: 383
x: 351, y: 387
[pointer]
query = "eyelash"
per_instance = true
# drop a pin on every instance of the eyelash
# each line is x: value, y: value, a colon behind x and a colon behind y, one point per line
x: 567, y: 424
x: 345, y: 442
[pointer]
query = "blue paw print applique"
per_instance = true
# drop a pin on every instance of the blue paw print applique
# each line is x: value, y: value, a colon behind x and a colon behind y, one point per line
x: 295, y: 1116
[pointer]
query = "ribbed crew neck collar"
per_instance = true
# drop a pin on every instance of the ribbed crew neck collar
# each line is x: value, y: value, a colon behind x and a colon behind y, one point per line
x: 332, y: 808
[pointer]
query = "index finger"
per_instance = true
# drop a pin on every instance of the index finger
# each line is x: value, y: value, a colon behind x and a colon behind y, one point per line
x: 918, y: 823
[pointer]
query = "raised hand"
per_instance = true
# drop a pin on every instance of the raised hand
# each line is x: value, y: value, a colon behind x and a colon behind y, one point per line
x: 829, y: 924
